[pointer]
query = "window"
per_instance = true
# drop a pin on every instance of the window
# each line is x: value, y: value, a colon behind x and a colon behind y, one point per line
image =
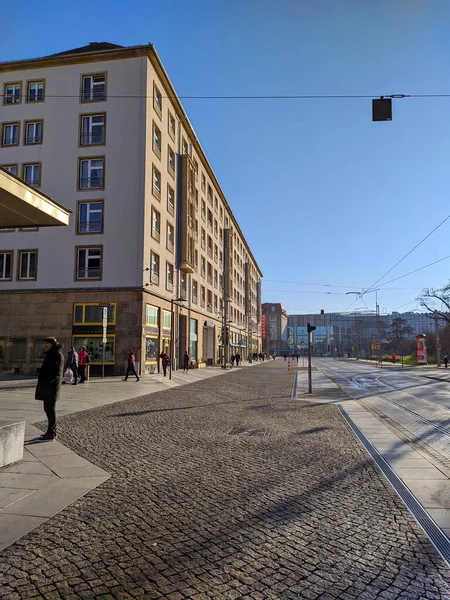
x: 209, y: 301
x: 210, y: 274
x: 216, y: 227
x: 88, y: 314
x: 167, y: 319
x: 154, y: 260
x: 6, y: 259
x: 216, y: 204
x: 92, y: 130
x: 203, y: 238
x: 169, y: 277
x: 19, y: 349
x: 183, y: 283
x: 90, y: 217
x: 203, y: 212
x: 156, y: 183
x: 203, y: 266
x: 221, y: 213
x: 184, y: 146
x: 215, y: 304
x: 10, y: 134
x: 171, y: 161
x: 33, y: 132
x: 156, y: 140
x: 27, y: 265
x: 210, y: 247
x: 170, y: 236
x: 91, y: 171
x: 10, y: 168
x: 38, y: 349
x: 170, y: 200
x: 215, y: 278
x: 210, y: 219
x: 157, y: 100
x: 151, y: 315
x: 35, y: 91
x: 2, y: 348
x: 12, y: 93
x: 172, y: 126
x: 93, y: 87
x: 202, y: 296
x: 156, y: 224
x: 203, y: 184
x: 209, y: 195
x: 89, y: 262
x: 194, y: 291
x: 32, y: 174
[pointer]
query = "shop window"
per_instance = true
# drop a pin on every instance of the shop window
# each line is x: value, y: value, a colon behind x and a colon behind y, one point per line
x: 92, y: 314
x: 94, y: 347
x: 151, y: 349
x: 2, y: 348
x: 38, y: 349
x: 19, y: 349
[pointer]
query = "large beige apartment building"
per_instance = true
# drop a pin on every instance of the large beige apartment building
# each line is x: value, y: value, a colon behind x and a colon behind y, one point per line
x: 152, y: 238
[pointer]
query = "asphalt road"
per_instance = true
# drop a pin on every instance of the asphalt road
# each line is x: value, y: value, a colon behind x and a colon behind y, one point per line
x: 225, y: 488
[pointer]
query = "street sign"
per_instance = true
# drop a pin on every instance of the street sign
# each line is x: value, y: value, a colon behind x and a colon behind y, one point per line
x: 302, y: 343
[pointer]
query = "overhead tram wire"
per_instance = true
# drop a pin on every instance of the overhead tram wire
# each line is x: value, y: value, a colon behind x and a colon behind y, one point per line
x: 406, y: 255
x: 259, y: 97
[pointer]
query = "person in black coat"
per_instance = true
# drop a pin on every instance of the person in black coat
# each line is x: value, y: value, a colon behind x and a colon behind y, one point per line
x: 49, y: 383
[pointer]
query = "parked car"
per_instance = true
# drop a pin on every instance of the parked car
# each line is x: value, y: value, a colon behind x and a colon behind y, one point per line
x: 326, y: 354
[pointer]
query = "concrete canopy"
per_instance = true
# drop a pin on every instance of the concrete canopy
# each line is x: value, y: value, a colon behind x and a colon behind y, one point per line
x: 21, y: 205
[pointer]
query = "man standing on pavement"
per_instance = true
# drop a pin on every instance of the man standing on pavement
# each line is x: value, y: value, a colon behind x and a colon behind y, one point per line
x: 237, y: 358
x: 164, y: 362
x: 49, y: 383
x: 72, y: 363
x: 83, y: 361
x: 186, y: 361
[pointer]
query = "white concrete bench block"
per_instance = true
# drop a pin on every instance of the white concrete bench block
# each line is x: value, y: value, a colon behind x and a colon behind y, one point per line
x: 12, y: 437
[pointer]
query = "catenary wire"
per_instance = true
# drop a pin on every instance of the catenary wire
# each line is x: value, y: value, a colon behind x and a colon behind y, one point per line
x: 408, y: 253
x: 256, y: 96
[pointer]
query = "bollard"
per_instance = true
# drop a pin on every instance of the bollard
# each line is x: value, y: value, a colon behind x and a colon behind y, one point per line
x: 289, y: 365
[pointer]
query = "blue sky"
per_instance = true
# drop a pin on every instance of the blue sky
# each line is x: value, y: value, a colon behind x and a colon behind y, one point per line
x: 323, y: 195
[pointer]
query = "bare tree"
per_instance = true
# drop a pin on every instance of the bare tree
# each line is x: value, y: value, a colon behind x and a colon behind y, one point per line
x: 437, y: 299
x: 399, y: 331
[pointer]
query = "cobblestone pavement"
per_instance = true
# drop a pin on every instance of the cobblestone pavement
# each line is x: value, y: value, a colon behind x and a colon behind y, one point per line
x: 194, y: 511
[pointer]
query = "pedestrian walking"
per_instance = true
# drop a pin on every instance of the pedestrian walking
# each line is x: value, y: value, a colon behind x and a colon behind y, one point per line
x: 232, y: 357
x: 285, y: 356
x: 237, y: 358
x: 164, y: 362
x: 186, y: 360
x: 49, y: 383
x: 446, y: 361
x: 83, y: 361
x: 131, y: 364
x: 72, y: 363
x: 394, y: 356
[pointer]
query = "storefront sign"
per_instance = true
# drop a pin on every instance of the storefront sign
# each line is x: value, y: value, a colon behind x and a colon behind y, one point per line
x: 166, y: 332
x: 151, y: 330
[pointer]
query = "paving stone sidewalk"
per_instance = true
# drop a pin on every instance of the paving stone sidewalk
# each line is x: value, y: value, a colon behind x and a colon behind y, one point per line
x: 193, y: 511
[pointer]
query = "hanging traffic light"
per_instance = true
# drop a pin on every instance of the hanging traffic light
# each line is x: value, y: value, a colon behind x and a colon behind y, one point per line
x: 382, y: 109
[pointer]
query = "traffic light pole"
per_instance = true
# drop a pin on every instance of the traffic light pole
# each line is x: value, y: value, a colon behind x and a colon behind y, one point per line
x: 310, y: 329
x: 309, y: 364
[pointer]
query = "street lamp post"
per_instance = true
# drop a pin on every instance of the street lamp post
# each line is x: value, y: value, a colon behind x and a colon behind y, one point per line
x: 172, y: 333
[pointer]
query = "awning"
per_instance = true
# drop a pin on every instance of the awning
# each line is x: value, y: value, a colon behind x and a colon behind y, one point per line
x: 21, y: 205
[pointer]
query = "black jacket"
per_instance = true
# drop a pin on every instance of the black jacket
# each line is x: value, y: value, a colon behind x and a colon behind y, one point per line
x: 50, y: 375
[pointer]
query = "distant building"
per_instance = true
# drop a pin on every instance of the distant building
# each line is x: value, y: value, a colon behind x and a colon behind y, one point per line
x: 419, y: 322
x: 275, y: 328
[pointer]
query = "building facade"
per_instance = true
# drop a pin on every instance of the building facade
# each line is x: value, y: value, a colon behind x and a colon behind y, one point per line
x: 153, y: 241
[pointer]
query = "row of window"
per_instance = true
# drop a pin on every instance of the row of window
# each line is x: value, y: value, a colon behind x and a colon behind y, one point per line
x: 88, y: 264
x: 92, y: 131
x: 91, y: 173
x: 93, y: 89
